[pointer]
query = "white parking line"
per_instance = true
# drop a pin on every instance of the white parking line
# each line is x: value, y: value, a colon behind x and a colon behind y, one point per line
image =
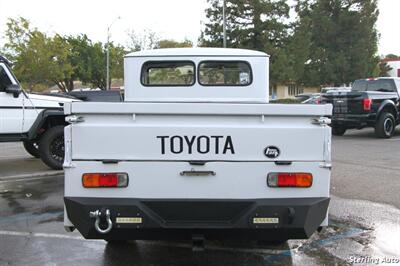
x: 29, y: 177
x: 31, y: 234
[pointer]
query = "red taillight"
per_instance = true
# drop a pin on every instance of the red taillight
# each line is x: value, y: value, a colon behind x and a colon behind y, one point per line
x: 290, y: 180
x: 367, y: 103
x: 93, y: 180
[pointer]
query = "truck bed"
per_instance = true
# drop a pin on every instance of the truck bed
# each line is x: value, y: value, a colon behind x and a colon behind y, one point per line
x: 129, y: 131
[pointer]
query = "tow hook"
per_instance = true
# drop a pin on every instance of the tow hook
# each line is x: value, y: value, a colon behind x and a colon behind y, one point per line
x: 99, y: 215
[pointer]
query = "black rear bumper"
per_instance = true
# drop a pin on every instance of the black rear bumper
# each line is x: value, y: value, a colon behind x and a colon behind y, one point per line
x: 298, y: 218
x: 354, y: 120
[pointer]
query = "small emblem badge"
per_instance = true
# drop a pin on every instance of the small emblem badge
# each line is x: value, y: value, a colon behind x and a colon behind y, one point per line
x: 272, y: 152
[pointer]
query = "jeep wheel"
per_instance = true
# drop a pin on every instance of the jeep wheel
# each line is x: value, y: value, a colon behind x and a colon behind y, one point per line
x: 32, y: 148
x: 51, y: 147
x: 338, y: 130
x: 385, y: 126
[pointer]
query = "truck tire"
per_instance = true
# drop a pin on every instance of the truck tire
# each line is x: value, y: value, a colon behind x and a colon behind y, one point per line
x: 32, y: 148
x: 51, y: 147
x: 385, y: 126
x: 338, y: 130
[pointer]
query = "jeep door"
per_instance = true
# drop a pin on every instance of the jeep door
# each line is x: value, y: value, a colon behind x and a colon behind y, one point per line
x: 11, y: 108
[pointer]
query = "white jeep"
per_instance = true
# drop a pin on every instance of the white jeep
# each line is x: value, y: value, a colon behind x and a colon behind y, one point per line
x: 37, y: 120
x: 196, y: 152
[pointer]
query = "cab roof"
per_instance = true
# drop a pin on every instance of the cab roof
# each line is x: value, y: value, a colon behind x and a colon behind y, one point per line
x: 176, y: 52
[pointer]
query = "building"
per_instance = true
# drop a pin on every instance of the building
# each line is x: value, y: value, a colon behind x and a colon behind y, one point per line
x: 290, y: 91
x: 394, y: 63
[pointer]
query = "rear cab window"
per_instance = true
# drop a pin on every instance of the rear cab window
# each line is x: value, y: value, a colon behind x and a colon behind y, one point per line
x: 168, y: 73
x: 224, y: 73
x: 384, y: 85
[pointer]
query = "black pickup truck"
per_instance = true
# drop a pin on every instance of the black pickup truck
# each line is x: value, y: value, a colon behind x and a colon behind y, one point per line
x: 370, y: 103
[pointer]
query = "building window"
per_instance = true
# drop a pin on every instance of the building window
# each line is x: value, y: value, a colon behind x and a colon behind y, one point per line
x: 294, y: 90
x: 168, y: 73
x: 224, y: 73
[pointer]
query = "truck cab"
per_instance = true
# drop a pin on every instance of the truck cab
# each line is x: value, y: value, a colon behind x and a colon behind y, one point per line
x: 196, y: 152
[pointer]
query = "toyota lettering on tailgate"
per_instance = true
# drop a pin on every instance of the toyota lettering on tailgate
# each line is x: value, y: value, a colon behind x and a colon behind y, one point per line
x: 196, y: 144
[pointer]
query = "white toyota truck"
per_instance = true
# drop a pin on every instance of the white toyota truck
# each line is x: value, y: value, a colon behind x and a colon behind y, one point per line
x: 196, y: 152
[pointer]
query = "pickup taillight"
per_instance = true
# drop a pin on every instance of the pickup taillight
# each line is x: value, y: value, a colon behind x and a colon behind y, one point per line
x: 290, y: 180
x: 367, y: 103
x: 103, y: 180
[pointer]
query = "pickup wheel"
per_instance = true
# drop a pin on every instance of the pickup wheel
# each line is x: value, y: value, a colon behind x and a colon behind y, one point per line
x: 338, y: 130
x: 51, y: 147
x: 385, y: 126
x: 32, y: 148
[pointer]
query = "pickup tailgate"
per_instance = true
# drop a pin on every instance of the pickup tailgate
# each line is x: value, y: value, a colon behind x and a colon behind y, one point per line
x: 196, y: 132
x: 346, y: 102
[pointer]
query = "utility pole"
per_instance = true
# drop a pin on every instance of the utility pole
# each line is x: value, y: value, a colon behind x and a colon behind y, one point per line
x: 224, y: 22
x: 108, y: 55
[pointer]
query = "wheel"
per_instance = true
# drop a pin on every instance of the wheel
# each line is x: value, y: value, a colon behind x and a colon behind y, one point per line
x: 385, y: 126
x: 338, y: 130
x: 32, y: 148
x: 51, y: 147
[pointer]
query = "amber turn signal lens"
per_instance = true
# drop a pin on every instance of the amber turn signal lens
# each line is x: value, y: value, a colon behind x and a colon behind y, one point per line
x: 95, y: 180
x: 290, y: 180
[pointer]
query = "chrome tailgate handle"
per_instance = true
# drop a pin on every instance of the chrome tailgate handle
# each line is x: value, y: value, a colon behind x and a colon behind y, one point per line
x: 197, y: 173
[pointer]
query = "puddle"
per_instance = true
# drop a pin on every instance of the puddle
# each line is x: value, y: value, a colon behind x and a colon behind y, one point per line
x: 387, y: 238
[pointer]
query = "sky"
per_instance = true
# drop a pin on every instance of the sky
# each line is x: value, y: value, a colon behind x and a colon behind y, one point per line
x: 171, y: 19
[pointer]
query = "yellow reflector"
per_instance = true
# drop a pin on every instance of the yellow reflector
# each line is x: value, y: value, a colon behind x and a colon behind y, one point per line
x: 266, y: 220
x: 129, y: 220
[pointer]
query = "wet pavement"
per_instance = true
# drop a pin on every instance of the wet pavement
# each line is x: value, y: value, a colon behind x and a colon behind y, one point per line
x: 15, y: 162
x: 31, y: 233
x: 364, y: 222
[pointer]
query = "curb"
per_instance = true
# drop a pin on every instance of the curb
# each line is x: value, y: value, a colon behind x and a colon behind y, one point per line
x: 31, y: 175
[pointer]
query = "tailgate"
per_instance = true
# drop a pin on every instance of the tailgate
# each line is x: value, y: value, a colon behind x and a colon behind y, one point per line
x: 346, y: 102
x: 197, y: 132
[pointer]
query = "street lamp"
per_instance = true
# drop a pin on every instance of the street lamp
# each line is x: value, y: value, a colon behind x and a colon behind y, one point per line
x: 108, y: 53
x: 224, y: 21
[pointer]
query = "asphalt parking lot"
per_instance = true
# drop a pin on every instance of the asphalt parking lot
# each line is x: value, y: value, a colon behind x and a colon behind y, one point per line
x: 364, y: 218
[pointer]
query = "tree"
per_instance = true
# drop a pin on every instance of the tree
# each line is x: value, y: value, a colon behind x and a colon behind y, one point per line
x: 89, y: 60
x: 384, y: 69
x: 145, y: 40
x: 38, y: 58
x: 343, y: 42
x: 117, y: 53
x: 392, y: 56
x: 166, y: 43
x: 253, y: 24
x: 81, y: 57
x: 43, y: 59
